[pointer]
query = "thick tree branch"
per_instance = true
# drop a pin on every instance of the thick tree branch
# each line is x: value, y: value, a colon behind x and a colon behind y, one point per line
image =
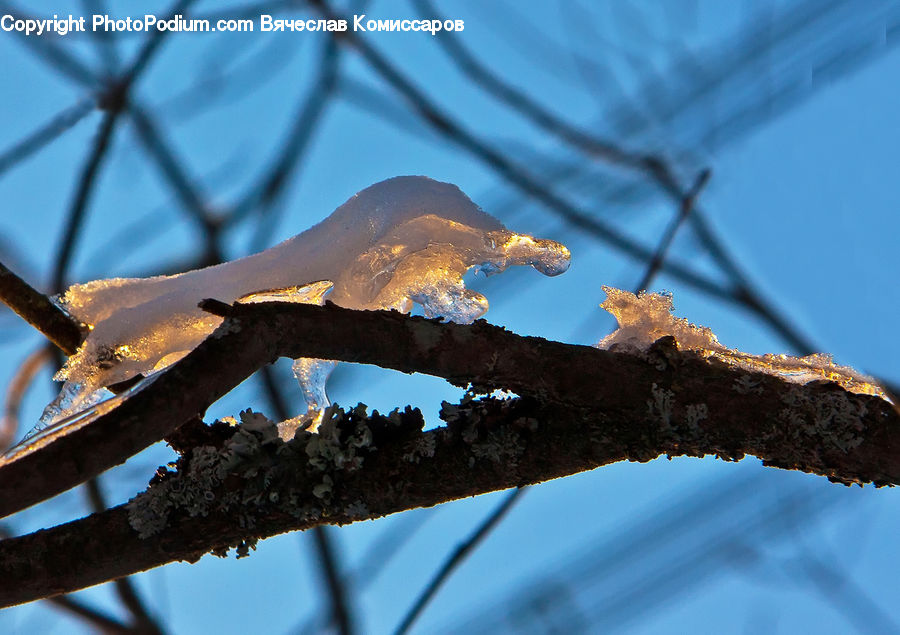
x: 487, y: 445
x: 604, y: 382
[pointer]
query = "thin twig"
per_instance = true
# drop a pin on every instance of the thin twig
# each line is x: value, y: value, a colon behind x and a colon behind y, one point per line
x: 113, y: 100
x: 37, y: 140
x: 104, y: 40
x: 521, y: 102
x: 271, y: 184
x: 78, y: 208
x: 457, y: 558
x: 52, y: 52
x: 175, y: 174
x: 341, y: 613
x: 327, y: 558
x: 659, y: 256
x: 36, y: 309
x: 15, y: 392
x: 96, y: 618
x: 125, y: 591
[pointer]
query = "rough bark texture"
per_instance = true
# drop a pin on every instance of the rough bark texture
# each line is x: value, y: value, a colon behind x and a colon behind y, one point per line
x: 579, y: 408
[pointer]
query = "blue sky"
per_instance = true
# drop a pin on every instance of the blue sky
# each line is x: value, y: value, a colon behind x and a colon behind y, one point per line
x: 803, y: 193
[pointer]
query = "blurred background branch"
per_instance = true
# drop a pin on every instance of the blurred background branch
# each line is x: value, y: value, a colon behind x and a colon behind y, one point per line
x: 593, y: 123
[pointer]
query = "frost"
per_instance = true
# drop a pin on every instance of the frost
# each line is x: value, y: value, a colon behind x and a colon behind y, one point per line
x: 402, y: 241
x: 645, y: 318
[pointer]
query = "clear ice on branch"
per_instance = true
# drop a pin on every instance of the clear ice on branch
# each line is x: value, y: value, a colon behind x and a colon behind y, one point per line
x: 406, y: 240
x: 646, y: 317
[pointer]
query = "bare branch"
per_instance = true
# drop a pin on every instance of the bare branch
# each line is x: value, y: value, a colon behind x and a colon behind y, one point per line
x: 457, y: 557
x: 85, y: 187
x: 487, y: 445
x: 684, y: 210
x: 15, y: 392
x: 336, y: 589
x: 37, y: 140
x: 36, y: 309
x: 607, y: 383
x: 125, y: 591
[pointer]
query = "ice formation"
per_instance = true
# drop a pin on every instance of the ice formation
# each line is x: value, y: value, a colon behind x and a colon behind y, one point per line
x: 645, y: 318
x: 405, y: 240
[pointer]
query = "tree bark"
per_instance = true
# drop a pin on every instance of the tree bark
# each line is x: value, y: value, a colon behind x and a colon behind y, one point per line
x: 578, y: 408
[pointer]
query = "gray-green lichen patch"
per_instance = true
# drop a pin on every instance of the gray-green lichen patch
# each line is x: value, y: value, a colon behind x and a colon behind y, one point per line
x: 694, y: 413
x: 678, y: 424
x: 660, y: 404
x: 830, y: 416
x: 475, y: 422
x: 421, y: 447
x: 251, y: 472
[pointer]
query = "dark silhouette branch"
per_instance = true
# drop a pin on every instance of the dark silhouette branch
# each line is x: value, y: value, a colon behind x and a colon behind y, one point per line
x: 36, y: 309
x: 588, y: 407
x: 15, y: 393
x: 480, y: 354
x: 54, y: 128
x: 125, y: 591
x: 326, y: 555
x: 684, y: 210
x: 79, y: 206
x: 457, y: 557
x: 487, y: 445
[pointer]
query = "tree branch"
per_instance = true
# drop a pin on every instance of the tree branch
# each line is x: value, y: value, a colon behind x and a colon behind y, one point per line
x: 485, y: 355
x: 36, y: 309
x: 580, y: 408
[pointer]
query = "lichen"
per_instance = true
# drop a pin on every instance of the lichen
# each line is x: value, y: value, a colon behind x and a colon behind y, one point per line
x: 832, y: 417
x: 421, y: 447
x: 694, y: 413
x: 252, y: 471
x: 659, y: 406
x: 502, y: 446
x: 356, y: 510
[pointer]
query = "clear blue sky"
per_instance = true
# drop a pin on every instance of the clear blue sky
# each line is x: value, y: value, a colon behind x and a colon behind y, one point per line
x: 801, y: 141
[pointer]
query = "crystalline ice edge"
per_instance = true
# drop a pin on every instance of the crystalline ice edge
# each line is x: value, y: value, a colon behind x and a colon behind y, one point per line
x: 645, y: 318
x: 404, y: 240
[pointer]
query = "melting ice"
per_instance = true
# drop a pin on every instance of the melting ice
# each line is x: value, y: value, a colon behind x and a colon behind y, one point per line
x: 645, y: 318
x: 406, y: 240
